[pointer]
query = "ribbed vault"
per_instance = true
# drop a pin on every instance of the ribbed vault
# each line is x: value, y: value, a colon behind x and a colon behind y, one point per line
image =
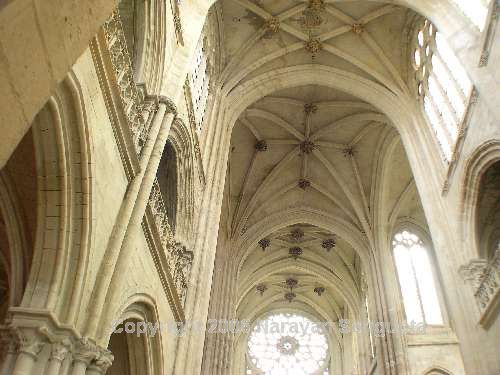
x: 317, y: 177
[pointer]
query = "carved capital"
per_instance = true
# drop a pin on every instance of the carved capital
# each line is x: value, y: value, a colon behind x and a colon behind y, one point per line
x: 59, y: 350
x: 103, y: 361
x: 171, y: 107
x: 31, y: 346
x: 85, y: 351
x: 9, y: 340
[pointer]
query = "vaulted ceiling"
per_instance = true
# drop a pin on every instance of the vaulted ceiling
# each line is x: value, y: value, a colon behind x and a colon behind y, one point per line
x: 314, y: 149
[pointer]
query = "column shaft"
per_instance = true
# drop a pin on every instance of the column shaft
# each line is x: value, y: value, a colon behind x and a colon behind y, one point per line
x: 79, y: 368
x: 8, y: 363
x: 161, y: 122
x: 24, y: 364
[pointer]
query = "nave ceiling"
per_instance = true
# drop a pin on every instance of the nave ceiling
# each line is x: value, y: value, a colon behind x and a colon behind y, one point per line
x: 314, y: 149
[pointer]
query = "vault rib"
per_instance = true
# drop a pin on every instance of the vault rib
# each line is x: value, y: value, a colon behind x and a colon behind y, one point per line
x: 277, y: 120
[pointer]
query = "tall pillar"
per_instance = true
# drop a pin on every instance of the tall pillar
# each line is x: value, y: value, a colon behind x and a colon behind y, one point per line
x: 131, y: 213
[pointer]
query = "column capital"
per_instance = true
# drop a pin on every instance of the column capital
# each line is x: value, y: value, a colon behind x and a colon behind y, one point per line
x: 171, y: 107
x: 30, y: 341
x: 103, y: 361
x: 59, y: 350
x: 9, y: 341
x: 85, y: 351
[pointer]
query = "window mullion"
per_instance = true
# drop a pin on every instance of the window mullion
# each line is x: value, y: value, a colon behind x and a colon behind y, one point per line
x: 414, y: 272
x: 446, y: 99
x: 452, y: 77
x: 441, y: 124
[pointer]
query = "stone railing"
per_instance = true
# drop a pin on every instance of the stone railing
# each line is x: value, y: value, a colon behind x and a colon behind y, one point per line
x: 135, y: 107
x: 179, y: 259
x: 489, y: 283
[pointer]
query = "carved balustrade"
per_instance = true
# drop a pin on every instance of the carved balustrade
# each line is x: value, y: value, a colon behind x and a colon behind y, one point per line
x: 133, y: 97
x: 178, y: 258
x: 489, y: 283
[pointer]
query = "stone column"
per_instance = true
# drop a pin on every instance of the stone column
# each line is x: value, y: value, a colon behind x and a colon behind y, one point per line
x: 28, y: 354
x: 101, y: 364
x: 84, y: 353
x: 57, y: 355
x: 9, y: 351
x: 131, y: 213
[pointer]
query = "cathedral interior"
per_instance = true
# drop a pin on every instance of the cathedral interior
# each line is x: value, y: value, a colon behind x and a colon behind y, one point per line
x: 249, y: 187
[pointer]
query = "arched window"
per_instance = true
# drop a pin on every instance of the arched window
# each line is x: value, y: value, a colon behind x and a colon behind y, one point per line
x: 277, y: 345
x: 167, y: 180
x: 416, y: 279
x: 442, y: 85
x: 199, y: 81
x: 488, y: 213
x: 476, y: 11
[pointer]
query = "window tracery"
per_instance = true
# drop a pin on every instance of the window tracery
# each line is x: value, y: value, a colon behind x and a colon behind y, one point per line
x: 278, y: 346
x: 416, y: 280
x: 199, y: 82
x: 442, y: 84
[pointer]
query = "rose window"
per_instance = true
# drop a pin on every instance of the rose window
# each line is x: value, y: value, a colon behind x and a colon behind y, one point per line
x: 285, y: 344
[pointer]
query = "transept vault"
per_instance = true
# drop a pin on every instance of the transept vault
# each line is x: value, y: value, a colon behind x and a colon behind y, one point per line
x: 259, y: 187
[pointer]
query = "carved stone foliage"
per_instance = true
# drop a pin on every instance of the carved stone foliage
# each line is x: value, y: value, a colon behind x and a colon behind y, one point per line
x: 484, y: 278
x: 295, y: 252
x: 297, y: 234
x: 261, y: 288
x: 328, y: 244
x: 307, y: 147
x: 489, y: 283
x: 261, y: 145
x: 319, y: 290
x: 273, y: 25
x: 313, y: 46
x: 264, y: 243
x: 304, y: 184
x: 179, y: 259
x: 135, y: 106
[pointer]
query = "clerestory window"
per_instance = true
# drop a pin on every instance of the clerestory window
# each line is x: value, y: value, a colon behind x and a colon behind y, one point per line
x: 416, y: 280
x: 443, y: 86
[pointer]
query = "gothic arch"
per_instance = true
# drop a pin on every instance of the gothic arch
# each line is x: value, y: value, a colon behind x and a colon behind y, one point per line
x: 478, y: 163
x: 182, y: 141
x: 403, y: 113
x: 302, y: 214
x: 63, y: 149
x: 16, y: 252
x: 137, y: 353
